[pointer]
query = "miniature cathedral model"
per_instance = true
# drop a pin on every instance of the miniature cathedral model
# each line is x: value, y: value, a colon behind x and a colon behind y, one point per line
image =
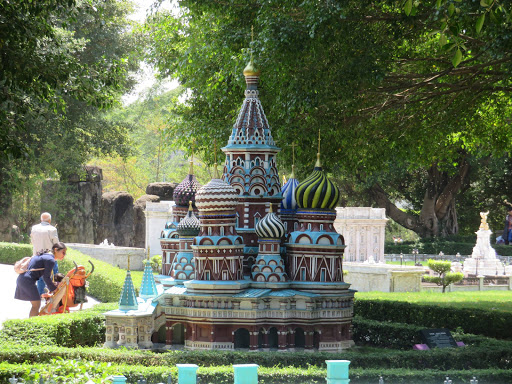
x: 246, y: 263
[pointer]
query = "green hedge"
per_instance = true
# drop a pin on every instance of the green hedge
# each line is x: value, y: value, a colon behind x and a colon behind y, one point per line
x: 80, y: 371
x: 463, y: 245
x: 84, y: 328
x: 494, y: 324
x: 12, y: 252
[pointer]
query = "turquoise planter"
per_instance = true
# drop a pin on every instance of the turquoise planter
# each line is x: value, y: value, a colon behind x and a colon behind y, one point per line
x: 246, y: 373
x: 187, y: 373
x: 118, y: 379
x: 337, y: 371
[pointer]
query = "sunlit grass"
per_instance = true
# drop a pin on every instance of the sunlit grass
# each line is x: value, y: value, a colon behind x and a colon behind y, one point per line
x: 488, y: 300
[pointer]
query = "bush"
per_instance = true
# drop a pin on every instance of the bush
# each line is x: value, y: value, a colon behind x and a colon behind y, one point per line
x: 84, y: 328
x: 494, y: 324
x: 12, y: 252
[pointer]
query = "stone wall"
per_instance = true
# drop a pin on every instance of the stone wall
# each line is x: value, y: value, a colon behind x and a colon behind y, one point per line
x: 74, y: 205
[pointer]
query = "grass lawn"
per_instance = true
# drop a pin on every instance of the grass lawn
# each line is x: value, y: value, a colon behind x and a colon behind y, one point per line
x: 407, y: 262
x: 488, y: 300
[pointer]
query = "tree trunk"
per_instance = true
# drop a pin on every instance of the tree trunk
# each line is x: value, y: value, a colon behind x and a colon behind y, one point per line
x: 438, y: 216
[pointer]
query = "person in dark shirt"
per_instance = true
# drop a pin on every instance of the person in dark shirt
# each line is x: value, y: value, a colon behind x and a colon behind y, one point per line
x: 41, y: 265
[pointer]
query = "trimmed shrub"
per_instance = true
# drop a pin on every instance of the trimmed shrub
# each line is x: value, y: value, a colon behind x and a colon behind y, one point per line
x: 79, y: 371
x: 84, y: 328
x: 12, y: 252
x: 473, y: 321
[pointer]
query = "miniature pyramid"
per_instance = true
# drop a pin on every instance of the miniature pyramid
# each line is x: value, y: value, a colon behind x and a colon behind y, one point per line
x: 128, y: 300
x: 148, y: 287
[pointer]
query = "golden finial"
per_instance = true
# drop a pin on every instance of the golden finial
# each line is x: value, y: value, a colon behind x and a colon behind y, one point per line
x: 191, y: 162
x: 318, y: 163
x: 284, y: 179
x: 270, y: 209
x: 128, y: 262
x: 250, y: 69
x: 190, y: 206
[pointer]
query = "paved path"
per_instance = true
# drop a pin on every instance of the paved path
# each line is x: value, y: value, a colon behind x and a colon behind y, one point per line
x: 17, y: 309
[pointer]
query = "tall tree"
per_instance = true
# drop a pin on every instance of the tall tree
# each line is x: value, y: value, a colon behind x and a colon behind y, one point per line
x: 403, y: 93
x: 61, y: 63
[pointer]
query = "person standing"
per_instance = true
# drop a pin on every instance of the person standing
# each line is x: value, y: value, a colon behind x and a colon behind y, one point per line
x: 43, y: 236
x: 507, y: 231
x: 40, y: 266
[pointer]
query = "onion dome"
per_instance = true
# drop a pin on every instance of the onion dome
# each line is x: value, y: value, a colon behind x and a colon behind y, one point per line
x: 187, y: 189
x: 270, y: 226
x: 189, y: 225
x: 251, y: 69
x: 288, y: 192
x: 317, y: 191
x: 217, y: 195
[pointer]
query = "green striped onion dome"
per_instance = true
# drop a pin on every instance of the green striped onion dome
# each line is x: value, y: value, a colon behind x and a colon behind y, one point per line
x: 317, y: 191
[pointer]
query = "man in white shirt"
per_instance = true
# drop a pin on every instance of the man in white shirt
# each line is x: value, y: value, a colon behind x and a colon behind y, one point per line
x: 43, y: 236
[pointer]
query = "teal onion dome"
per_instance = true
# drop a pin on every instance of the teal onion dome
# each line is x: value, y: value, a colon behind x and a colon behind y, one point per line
x: 270, y: 226
x: 317, y: 191
x: 189, y: 225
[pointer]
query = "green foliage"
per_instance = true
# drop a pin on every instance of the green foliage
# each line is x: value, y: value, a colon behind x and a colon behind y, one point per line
x: 156, y: 263
x: 67, y: 62
x: 444, y: 277
x: 12, y: 252
x: 154, y: 158
x: 471, y: 320
x: 490, y: 301
x: 398, y: 121
x: 79, y: 328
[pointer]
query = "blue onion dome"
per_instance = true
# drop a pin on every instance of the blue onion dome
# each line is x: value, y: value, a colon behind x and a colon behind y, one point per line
x: 189, y: 225
x: 187, y: 189
x: 270, y: 226
x: 217, y: 195
x: 317, y: 191
x: 288, y: 191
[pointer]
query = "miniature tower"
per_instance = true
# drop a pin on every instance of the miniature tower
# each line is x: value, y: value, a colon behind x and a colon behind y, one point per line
x: 188, y: 228
x: 315, y: 249
x: 183, y: 194
x: 148, y: 288
x: 128, y: 300
x: 250, y: 166
x: 218, y: 249
x: 269, y: 266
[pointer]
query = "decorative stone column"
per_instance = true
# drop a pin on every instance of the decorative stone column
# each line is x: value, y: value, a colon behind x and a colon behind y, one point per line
x: 281, y: 340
